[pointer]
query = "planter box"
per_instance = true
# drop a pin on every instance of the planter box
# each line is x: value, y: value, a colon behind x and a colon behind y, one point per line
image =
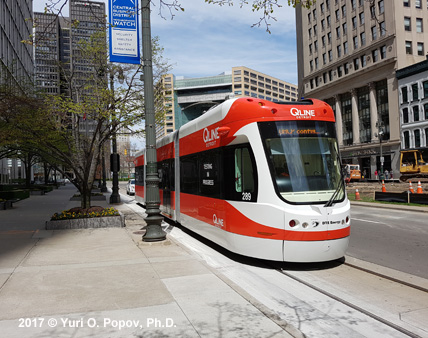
x: 93, y: 198
x: 37, y: 192
x: 85, y: 223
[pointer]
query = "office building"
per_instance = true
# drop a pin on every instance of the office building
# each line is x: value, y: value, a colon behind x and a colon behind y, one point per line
x: 60, y: 63
x: 413, y: 101
x: 16, y: 62
x: 348, y: 53
x: 187, y: 98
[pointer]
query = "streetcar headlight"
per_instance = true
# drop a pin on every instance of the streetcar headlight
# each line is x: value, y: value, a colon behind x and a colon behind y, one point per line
x: 305, y: 225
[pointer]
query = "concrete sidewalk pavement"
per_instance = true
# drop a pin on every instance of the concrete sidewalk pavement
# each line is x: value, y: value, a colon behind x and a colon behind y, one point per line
x: 108, y: 283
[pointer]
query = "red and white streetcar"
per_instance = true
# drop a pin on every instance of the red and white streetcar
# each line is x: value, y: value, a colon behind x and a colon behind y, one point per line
x: 261, y: 179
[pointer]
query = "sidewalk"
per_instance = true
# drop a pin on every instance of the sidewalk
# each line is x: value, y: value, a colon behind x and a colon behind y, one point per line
x: 109, y: 283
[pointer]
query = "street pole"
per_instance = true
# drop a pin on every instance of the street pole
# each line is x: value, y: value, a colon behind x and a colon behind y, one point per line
x: 154, y: 219
x: 114, y: 158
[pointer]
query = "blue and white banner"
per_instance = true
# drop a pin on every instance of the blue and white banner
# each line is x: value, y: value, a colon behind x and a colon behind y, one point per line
x: 123, y: 31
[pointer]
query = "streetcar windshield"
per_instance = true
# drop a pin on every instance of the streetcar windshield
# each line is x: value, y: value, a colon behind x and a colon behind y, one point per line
x: 303, y: 159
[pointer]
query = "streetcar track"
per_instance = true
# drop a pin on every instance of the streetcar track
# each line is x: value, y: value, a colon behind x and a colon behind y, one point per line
x: 356, y: 307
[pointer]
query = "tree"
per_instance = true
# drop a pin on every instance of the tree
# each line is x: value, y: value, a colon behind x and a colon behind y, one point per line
x: 70, y: 130
x: 80, y: 124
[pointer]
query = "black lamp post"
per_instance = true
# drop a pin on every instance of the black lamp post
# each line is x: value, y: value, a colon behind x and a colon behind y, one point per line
x: 154, y: 219
x: 114, y: 157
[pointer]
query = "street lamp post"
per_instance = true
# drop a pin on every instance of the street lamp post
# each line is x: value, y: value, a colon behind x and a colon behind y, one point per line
x: 380, y: 125
x: 154, y: 219
x: 114, y: 158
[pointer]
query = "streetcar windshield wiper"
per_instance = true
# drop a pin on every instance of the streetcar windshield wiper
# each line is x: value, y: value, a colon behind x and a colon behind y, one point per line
x: 339, y: 187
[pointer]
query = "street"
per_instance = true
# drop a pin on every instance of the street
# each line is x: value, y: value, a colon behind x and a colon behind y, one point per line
x: 392, y: 238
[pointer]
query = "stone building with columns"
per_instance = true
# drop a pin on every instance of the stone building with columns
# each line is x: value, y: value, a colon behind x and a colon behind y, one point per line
x: 348, y: 53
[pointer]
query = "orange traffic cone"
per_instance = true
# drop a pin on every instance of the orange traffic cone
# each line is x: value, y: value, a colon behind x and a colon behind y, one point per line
x: 357, y: 195
x: 383, y: 186
x: 419, y: 190
x: 411, y: 187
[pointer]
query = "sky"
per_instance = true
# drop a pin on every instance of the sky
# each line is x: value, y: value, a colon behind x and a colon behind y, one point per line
x: 207, y: 39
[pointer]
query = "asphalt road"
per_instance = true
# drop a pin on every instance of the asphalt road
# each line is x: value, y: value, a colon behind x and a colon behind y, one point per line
x: 391, y: 238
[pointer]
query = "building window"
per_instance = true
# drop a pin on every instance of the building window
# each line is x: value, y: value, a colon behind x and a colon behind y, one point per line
x: 355, y: 41
x: 309, y: 17
x: 417, y: 133
x: 381, y: 7
x: 383, y: 52
x: 345, y: 47
x: 329, y: 37
x: 415, y: 92
x: 375, y: 55
x: 338, y: 32
x: 363, y: 101
x: 363, y: 39
x: 354, y: 22
x: 426, y: 112
x: 426, y: 136
x: 407, y: 25
x: 328, y: 21
x: 382, y: 28
x: 356, y: 63
x: 346, y: 102
x: 344, y: 11
x: 408, y: 47
x: 345, y: 29
x: 363, y: 60
x: 373, y: 11
x: 324, y: 58
x: 323, y: 40
x: 405, y: 115
x: 382, y: 106
x: 330, y: 55
x: 415, y: 113
x: 406, y: 140
x: 339, y: 51
x: 418, y: 4
x: 406, y: 3
x: 316, y: 45
x: 311, y: 65
x: 339, y: 71
x: 354, y: 4
x: 337, y: 15
x: 346, y: 68
x: 323, y: 24
x: 374, y: 32
x: 425, y: 86
x: 315, y: 30
x: 419, y: 25
x: 404, y: 96
x: 361, y: 15
x: 420, y: 47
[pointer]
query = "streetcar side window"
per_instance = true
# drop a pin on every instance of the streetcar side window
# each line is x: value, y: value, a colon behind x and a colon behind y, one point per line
x: 240, y: 174
x: 189, y: 174
x: 244, y: 176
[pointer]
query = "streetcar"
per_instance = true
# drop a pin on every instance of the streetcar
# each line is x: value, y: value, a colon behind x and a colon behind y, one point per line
x: 260, y: 179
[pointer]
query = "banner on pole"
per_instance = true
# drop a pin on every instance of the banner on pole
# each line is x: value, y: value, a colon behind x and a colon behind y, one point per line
x: 124, y: 32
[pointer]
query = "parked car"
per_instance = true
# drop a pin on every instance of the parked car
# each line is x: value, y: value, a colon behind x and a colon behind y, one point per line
x: 130, y: 187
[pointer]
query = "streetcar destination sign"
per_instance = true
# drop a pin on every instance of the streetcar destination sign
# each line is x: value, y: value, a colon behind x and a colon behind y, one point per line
x: 123, y: 31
